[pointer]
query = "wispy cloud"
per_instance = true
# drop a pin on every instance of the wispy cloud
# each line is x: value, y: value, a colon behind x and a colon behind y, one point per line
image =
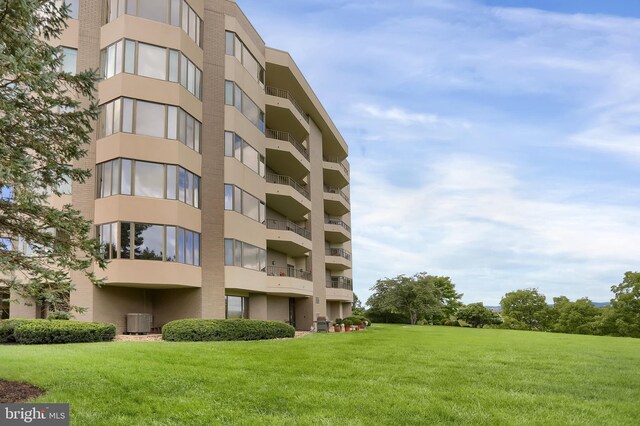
x: 496, y: 145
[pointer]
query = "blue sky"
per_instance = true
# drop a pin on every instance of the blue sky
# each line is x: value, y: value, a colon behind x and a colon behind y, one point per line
x: 496, y: 142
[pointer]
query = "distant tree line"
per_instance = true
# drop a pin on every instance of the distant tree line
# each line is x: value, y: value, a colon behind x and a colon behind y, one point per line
x: 424, y: 298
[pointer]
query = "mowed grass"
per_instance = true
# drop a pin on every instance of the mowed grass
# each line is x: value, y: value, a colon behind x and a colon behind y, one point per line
x: 389, y: 374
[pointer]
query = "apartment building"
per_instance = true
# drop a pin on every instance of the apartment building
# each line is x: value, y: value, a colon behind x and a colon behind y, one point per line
x: 221, y: 184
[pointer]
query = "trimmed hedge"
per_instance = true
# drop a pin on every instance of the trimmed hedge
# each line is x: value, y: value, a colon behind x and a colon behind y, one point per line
x: 8, y: 327
x: 202, y: 330
x: 38, y: 332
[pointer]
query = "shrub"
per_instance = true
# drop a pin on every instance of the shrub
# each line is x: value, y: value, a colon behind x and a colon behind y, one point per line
x: 452, y: 323
x: 422, y: 322
x: 39, y: 332
x: 202, y: 330
x: 8, y: 327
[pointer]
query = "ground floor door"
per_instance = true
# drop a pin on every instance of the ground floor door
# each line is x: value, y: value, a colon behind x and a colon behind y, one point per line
x: 292, y: 312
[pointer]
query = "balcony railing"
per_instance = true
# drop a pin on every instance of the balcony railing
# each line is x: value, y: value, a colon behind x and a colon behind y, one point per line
x: 279, y: 271
x: 282, y: 93
x: 338, y: 252
x: 339, y: 222
x: 286, y: 136
x: 287, y: 225
x: 340, y: 282
x: 286, y: 180
x: 335, y: 190
x: 335, y: 160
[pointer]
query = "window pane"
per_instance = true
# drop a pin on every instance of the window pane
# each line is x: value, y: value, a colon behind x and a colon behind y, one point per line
x: 172, y: 122
x: 183, y: 70
x: 262, y: 213
x: 115, y: 177
x: 150, y: 119
x: 130, y: 56
x: 198, y: 83
x: 125, y: 240
x: 250, y: 110
x: 106, y: 179
x: 153, y: 9
x: 261, y: 167
x: 237, y: 148
x: 105, y: 241
x: 234, y: 307
x: 250, y: 256
x: 237, y: 253
x: 229, y: 38
x: 228, y: 197
x: 263, y: 260
x: 182, y: 126
x: 191, y: 76
x: 238, y: 49
x: 228, y: 144
x: 174, y: 58
x: 127, y: 115
x: 175, y: 12
x: 196, y: 135
x: 237, y: 199
x: 182, y: 178
x: 109, y: 119
x: 192, y: 24
x: 190, y: 131
x: 119, y: 57
x: 228, y: 92
x: 196, y: 249
x: 70, y: 59
x: 185, y: 16
x: 250, y: 206
x: 250, y: 157
x: 171, y: 182
x: 149, y: 179
x: 152, y: 61
x: 171, y: 243
x: 116, y: 116
x: 188, y: 248
x: 189, y: 189
x: 125, y: 181
x: 111, y: 61
x: 249, y: 62
x: 148, y: 241
x: 180, y: 245
x: 237, y: 97
x: 196, y: 191
x: 228, y: 252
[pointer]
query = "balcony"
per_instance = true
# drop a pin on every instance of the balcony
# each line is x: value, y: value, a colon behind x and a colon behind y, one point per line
x: 340, y: 282
x: 336, y: 231
x: 339, y: 289
x: 150, y: 274
x: 336, y: 202
x: 335, y: 172
x: 285, y: 94
x: 337, y: 259
x: 287, y: 196
x: 287, y: 237
x: 286, y: 154
x: 287, y: 281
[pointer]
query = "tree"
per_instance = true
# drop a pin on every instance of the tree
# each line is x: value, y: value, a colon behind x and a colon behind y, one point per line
x: 477, y: 315
x: 43, y: 131
x: 357, y: 308
x: 626, y: 305
x: 447, y: 294
x: 525, y: 309
x: 414, y: 297
x: 579, y: 317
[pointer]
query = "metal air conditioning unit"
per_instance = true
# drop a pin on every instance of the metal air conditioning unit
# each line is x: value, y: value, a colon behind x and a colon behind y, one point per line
x: 139, y: 323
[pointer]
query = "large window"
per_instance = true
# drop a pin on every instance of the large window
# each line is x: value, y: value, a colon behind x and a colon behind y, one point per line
x: 147, y: 60
x: 150, y: 242
x: 235, y: 146
x: 131, y: 177
x: 174, y: 12
x: 237, y: 307
x: 151, y: 119
x: 238, y: 200
x: 234, y: 96
x: 235, y: 47
x: 238, y: 253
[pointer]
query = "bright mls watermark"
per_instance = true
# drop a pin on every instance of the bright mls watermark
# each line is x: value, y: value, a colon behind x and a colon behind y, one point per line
x: 34, y: 414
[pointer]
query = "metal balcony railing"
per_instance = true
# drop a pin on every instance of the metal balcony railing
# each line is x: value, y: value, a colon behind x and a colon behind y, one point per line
x: 279, y: 271
x: 339, y: 222
x: 287, y: 225
x: 285, y: 94
x: 286, y: 136
x: 338, y: 252
x: 335, y: 190
x: 286, y: 180
x: 342, y: 163
x: 340, y: 282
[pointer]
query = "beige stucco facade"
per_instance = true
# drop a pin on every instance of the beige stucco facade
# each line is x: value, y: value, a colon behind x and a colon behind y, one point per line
x: 288, y: 222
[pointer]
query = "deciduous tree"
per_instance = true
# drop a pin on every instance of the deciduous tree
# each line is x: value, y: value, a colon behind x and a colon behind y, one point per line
x: 477, y: 315
x: 525, y: 309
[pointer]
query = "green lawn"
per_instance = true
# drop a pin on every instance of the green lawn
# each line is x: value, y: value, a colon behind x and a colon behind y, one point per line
x: 400, y: 375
